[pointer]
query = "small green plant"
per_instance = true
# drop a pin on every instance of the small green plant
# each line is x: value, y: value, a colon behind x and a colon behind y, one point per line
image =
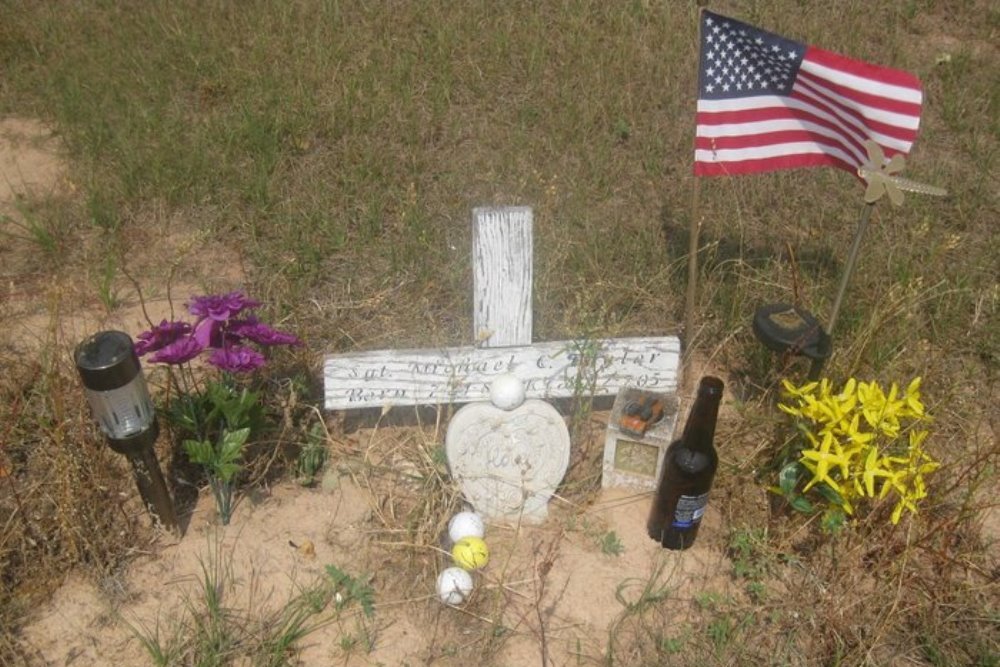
x: 709, y: 600
x: 211, y: 632
x: 622, y: 130
x: 33, y: 231
x: 312, y: 456
x: 216, y: 416
x: 748, y: 552
x: 348, y: 589
x: 611, y: 544
x: 652, y: 593
x: 854, y: 446
x: 584, y: 357
x: 671, y: 645
x: 720, y: 631
x: 106, y: 284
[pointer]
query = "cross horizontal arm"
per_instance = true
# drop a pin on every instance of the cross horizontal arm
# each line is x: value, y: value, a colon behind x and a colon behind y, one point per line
x: 464, y: 374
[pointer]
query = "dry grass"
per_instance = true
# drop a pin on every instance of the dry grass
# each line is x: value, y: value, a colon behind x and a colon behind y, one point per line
x: 335, y: 150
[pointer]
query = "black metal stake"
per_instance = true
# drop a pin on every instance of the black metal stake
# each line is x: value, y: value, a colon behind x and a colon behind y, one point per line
x: 116, y: 390
x: 148, y: 476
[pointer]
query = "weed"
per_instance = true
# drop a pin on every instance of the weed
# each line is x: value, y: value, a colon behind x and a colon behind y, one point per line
x: 611, y: 544
x: 709, y: 600
x: 583, y: 353
x: 312, y: 456
x: 671, y: 645
x: 30, y: 229
x: 349, y: 589
x: 752, y: 560
x: 212, y: 631
x: 106, y: 290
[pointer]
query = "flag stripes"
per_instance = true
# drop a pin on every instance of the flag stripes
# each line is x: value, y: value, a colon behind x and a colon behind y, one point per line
x: 767, y: 103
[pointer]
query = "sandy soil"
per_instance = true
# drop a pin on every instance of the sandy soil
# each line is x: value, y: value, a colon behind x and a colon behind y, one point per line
x: 573, y: 605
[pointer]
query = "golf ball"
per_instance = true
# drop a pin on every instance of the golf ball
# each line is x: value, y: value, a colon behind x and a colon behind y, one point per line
x: 466, y: 524
x: 470, y: 553
x: 507, y: 392
x: 454, y: 585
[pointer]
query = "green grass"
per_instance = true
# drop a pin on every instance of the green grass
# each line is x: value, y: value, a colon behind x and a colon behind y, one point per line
x: 213, y: 629
x: 336, y: 150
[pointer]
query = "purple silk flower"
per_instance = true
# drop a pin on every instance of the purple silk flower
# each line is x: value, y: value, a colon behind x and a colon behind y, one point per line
x: 220, y: 307
x: 160, y: 336
x: 236, y: 359
x: 178, y: 352
x: 260, y: 333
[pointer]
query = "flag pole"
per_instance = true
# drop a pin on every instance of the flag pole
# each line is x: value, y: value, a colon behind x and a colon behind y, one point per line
x: 694, y: 227
x: 852, y: 256
x: 692, y: 285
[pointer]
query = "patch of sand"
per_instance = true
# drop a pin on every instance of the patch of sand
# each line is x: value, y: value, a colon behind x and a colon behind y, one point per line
x: 567, y: 607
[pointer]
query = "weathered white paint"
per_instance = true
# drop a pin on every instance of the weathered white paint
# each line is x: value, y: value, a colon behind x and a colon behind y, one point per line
x: 502, y: 259
x: 502, y: 266
x: 464, y: 374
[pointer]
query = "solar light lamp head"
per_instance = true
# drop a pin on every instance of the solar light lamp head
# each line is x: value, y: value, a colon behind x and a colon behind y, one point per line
x: 116, y: 390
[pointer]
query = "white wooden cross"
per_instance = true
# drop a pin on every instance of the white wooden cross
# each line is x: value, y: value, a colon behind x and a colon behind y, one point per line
x: 502, y: 274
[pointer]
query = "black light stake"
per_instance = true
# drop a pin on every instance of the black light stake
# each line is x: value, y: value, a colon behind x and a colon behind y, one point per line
x: 119, y: 400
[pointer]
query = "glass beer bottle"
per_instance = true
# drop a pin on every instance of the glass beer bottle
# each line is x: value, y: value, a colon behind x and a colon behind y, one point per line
x: 688, y: 469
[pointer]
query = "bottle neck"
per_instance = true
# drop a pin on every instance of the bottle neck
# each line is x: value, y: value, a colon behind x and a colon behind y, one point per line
x: 699, y: 431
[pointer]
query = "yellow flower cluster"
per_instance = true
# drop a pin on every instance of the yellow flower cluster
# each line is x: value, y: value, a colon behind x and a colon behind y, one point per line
x: 855, y: 441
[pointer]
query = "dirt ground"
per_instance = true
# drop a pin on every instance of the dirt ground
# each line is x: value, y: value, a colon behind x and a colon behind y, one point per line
x: 83, y: 625
x: 282, y: 538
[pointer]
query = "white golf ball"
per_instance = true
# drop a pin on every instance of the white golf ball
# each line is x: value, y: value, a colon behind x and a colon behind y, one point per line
x: 454, y: 585
x: 465, y: 524
x: 507, y: 392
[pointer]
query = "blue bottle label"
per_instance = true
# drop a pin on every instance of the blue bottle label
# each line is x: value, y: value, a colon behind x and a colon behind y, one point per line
x: 689, y: 511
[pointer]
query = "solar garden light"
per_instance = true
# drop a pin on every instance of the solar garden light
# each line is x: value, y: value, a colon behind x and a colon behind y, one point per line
x: 119, y: 400
x: 787, y: 328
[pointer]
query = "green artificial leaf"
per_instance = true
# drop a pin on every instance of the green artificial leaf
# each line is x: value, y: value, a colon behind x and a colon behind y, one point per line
x: 800, y: 504
x: 236, y: 409
x: 226, y: 465
x: 232, y: 444
x: 200, y: 451
x: 788, y: 478
x: 226, y: 471
x: 830, y: 495
x: 189, y: 413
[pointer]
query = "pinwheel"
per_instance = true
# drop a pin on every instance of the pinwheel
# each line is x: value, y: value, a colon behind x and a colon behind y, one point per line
x: 882, y: 179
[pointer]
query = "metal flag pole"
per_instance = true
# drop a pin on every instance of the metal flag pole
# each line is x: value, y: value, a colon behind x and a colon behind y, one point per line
x: 852, y: 257
x: 882, y: 178
x: 692, y: 286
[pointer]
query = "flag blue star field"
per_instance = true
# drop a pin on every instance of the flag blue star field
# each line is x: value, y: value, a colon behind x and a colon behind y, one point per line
x: 766, y: 102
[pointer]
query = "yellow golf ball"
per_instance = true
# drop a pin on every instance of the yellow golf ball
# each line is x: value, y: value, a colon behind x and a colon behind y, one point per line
x: 470, y: 553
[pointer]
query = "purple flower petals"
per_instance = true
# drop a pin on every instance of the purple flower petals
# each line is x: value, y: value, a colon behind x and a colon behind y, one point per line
x: 209, y: 333
x: 215, y: 329
x: 260, y: 333
x: 220, y: 307
x: 236, y: 359
x: 178, y: 352
x: 160, y: 336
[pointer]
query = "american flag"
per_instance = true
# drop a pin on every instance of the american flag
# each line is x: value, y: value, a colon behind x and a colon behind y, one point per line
x: 766, y: 102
